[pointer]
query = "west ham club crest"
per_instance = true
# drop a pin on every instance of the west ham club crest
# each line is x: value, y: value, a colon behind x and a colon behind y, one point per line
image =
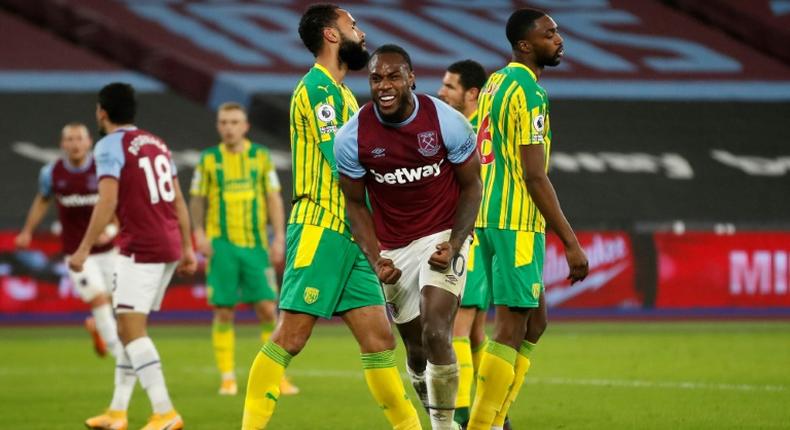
x: 428, y: 143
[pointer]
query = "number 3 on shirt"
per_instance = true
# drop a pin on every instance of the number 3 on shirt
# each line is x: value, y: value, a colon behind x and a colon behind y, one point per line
x: 159, y: 178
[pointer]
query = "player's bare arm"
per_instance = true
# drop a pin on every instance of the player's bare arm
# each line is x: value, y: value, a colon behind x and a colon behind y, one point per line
x: 188, y: 263
x: 542, y: 192
x: 103, y: 213
x: 363, y: 230
x: 197, y: 209
x: 36, y: 213
x: 468, y: 176
x: 276, y: 210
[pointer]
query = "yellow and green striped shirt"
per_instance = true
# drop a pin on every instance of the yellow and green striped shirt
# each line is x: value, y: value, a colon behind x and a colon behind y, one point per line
x: 319, y: 107
x: 513, y: 111
x: 235, y: 185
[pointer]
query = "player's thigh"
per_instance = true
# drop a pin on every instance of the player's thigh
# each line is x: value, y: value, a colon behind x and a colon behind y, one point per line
x: 403, y: 297
x: 452, y: 279
x: 89, y: 283
x: 223, y: 274
x: 517, y: 267
x: 318, y: 261
x: 140, y: 287
x: 254, y: 284
x: 106, y: 262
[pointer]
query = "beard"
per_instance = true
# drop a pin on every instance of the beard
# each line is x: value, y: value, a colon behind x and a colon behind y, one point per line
x: 102, y: 132
x: 353, y: 54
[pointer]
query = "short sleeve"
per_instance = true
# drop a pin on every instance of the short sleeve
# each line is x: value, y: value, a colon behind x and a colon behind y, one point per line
x: 271, y: 180
x: 528, y: 121
x: 109, y: 156
x: 200, y: 181
x: 347, y: 150
x: 458, y: 135
x: 45, y: 180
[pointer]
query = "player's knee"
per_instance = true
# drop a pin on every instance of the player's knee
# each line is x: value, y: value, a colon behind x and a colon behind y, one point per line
x: 292, y: 341
x: 435, y: 339
x: 223, y: 315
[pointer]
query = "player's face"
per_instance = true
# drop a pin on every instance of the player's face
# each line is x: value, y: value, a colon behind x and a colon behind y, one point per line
x: 452, y: 92
x: 390, y: 86
x: 232, y: 125
x: 546, y: 42
x: 352, y: 50
x: 75, y: 143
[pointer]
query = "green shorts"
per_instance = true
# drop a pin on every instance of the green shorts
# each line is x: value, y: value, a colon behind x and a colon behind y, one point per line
x: 513, y: 262
x: 326, y: 273
x: 476, y: 293
x: 237, y: 274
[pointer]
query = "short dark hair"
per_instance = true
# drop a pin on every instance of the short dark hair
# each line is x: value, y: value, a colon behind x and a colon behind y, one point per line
x: 119, y: 101
x: 521, y: 22
x: 311, y: 27
x: 470, y: 73
x: 391, y: 48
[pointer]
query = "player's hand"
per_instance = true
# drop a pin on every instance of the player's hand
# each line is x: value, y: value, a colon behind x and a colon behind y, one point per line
x: 188, y: 264
x: 386, y: 271
x: 277, y: 253
x: 440, y: 260
x: 577, y: 263
x: 22, y: 240
x: 203, y: 244
x: 77, y: 260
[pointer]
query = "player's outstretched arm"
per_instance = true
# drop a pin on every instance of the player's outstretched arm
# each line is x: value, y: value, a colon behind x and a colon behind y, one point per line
x: 468, y: 176
x: 545, y: 197
x: 188, y: 263
x: 102, y: 214
x: 36, y: 213
x: 362, y: 228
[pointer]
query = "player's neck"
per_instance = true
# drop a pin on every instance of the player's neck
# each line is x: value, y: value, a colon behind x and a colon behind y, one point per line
x: 470, y: 110
x: 537, y: 70
x: 110, y: 127
x: 330, y: 61
x: 77, y: 162
x: 237, y: 146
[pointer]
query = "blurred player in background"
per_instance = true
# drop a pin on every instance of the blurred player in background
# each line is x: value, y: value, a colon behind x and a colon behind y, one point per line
x: 460, y: 88
x: 326, y: 274
x: 235, y: 191
x: 518, y: 200
x: 137, y: 179
x: 414, y: 158
x: 71, y: 182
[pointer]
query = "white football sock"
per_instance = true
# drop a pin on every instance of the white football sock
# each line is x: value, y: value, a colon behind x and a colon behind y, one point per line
x: 442, y: 382
x: 148, y: 368
x: 107, y: 328
x: 418, y: 382
x: 125, y: 379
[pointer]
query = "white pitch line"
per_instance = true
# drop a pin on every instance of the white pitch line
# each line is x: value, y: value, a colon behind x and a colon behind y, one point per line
x: 349, y: 374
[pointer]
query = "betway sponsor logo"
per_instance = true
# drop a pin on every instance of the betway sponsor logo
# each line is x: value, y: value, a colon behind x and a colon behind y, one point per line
x: 75, y: 200
x: 406, y: 175
x: 760, y: 272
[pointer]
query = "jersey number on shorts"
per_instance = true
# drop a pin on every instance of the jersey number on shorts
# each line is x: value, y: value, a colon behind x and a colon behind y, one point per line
x: 159, y: 178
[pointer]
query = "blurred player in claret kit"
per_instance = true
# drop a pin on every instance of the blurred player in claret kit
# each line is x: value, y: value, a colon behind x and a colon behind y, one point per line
x: 71, y: 182
x: 514, y: 141
x: 414, y: 157
x: 137, y: 180
x: 460, y: 89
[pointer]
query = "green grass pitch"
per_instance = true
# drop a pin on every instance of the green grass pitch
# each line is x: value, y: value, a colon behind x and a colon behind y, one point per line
x: 694, y: 375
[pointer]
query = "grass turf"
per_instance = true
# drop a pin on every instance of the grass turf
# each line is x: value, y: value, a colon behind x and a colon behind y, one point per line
x: 697, y: 375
